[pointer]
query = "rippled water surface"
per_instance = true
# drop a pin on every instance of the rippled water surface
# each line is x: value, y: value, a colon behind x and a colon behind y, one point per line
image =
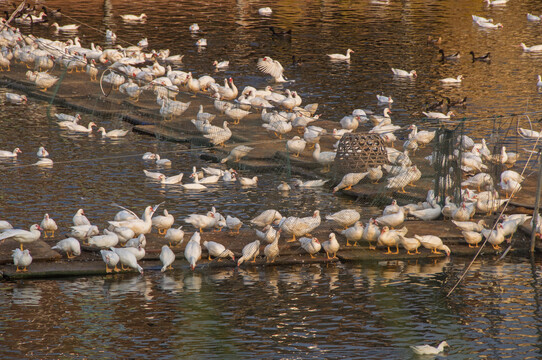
x: 349, y: 311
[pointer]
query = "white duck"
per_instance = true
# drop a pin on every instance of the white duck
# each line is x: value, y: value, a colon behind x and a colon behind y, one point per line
x: 21, y: 259
x: 174, y: 236
x: 167, y: 257
x: 113, y: 134
x: 354, y: 233
x: 70, y: 246
x: 192, y: 251
x: 42, y: 152
x: 428, y: 214
x: 218, y: 251
x: 472, y: 237
x: 310, y: 245
x: 267, y: 217
x: 391, y: 220
x: 349, y: 180
x: 48, y: 225
x: 344, y: 218
x: 384, y: 99
x: 331, y: 246
x: 391, y: 238
x: 130, y: 17
x: 107, y: 240
x: 510, y: 186
x: 234, y: 224
x: 237, y: 153
x: 325, y: 158
x: 410, y: 244
x: 279, y: 128
x: 170, y: 180
x: 163, y: 222
x: 11, y: 154
x: 80, y: 128
x: 201, y: 222
x: 534, y: 48
x: 494, y: 237
x: 300, y: 226
x: 422, y: 137
x: 248, y: 181
x: 111, y: 259
x: 138, y: 226
x: 404, y: 73
x: 250, y: 251
x: 310, y: 183
x: 433, y: 243
x: 22, y: 236
x: 296, y: 145
x: 271, y: 67
x: 16, y: 98
x: 83, y: 232
x: 271, y: 251
x: 428, y: 349
x: 451, y: 80
x: 341, y: 57
x: 438, y: 115
x: 371, y: 232
x: 470, y: 226
x: 195, y: 185
x: 127, y: 258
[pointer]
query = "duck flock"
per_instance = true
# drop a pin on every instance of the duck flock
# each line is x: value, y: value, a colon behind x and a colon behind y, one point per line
x: 133, y: 70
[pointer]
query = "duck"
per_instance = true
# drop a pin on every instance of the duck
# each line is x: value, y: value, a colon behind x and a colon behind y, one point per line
x: 391, y: 220
x: 313, y: 134
x: 127, y: 258
x: 229, y: 175
x: 267, y: 217
x: 211, y: 179
x: 219, y: 137
x: 489, y: 25
x: 83, y: 232
x: 354, y: 233
x: 153, y: 175
x: 265, y: 11
x: 410, y: 244
x: 201, y: 42
x: 130, y: 17
x: 310, y: 245
x: 494, y: 237
x: 325, y: 158
x: 422, y: 137
x: 192, y: 251
x: 201, y: 115
x: 438, y: 115
x: 80, y: 128
x: 4, y: 225
x: 450, y: 80
x: 271, y: 251
x: 391, y: 238
x: 201, y: 222
x: 48, y: 225
x: 310, y: 183
x: 16, y: 98
x: 236, y: 114
x: 70, y: 246
x: 404, y: 73
x: 350, y: 122
x: 495, y: 2
x: 234, y: 224
x: 250, y: 251
x: 531, y: 17
x: 279, y: 128
x: 65, y: 28
x: 434, y: 41
x: 428, y: 349
x: 300, y: 226
x: 510, y: 186
x: 10, y: 154
x: 479, y: 180
x: 167, y: 257
x: 163, y: 222
x: 248, y: 181
x: 111, y: 259
x: 107, y: 240
x: 22, y: 236
x: 218, y: 251
x: 136, y: 242
x: 21, y: 258
x: 433, y: 243
x: 371, y: 232
x: 384, y: 99
x: 113, y: 134
x: 350, y: 180
x: 463, y: 212
x: 331, y: 246
x: 338, y: 133
x: 124, y: 234
x: 454, y: 56
x: 195, y: 185
x: 42, y: 152
x: 428, y: 214
x: 341, y: 57
x: 138, y: 226
x: 271, y: 67
x: 295, y: 146
x: 344, y: 218
x: 194, y: 27
x: 484, y: 58
x: 470, y: 226
x: 170, y: 180
x: 221, y: 65
x: 472, y: 237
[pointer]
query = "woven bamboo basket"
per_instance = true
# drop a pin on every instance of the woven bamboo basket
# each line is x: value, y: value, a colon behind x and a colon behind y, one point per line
x: 360, y: 151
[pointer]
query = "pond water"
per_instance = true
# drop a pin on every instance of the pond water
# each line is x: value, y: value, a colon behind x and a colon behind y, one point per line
x: 370, y: 311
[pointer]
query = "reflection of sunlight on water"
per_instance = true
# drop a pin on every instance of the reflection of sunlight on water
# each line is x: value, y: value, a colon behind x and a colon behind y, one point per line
x: 27, y: 294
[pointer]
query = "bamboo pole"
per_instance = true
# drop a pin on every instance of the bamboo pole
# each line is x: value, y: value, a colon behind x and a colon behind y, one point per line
x: 536, y: 203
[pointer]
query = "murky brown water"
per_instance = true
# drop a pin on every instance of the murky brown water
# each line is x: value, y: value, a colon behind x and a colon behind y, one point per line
x: 348, y: 311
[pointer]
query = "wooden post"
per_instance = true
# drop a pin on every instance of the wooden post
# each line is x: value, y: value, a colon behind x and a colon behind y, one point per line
x: 536, y: 203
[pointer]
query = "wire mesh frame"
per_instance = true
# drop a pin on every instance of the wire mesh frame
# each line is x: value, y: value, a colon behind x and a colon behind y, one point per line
x: 447, y: 181
x: 358, y: 152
